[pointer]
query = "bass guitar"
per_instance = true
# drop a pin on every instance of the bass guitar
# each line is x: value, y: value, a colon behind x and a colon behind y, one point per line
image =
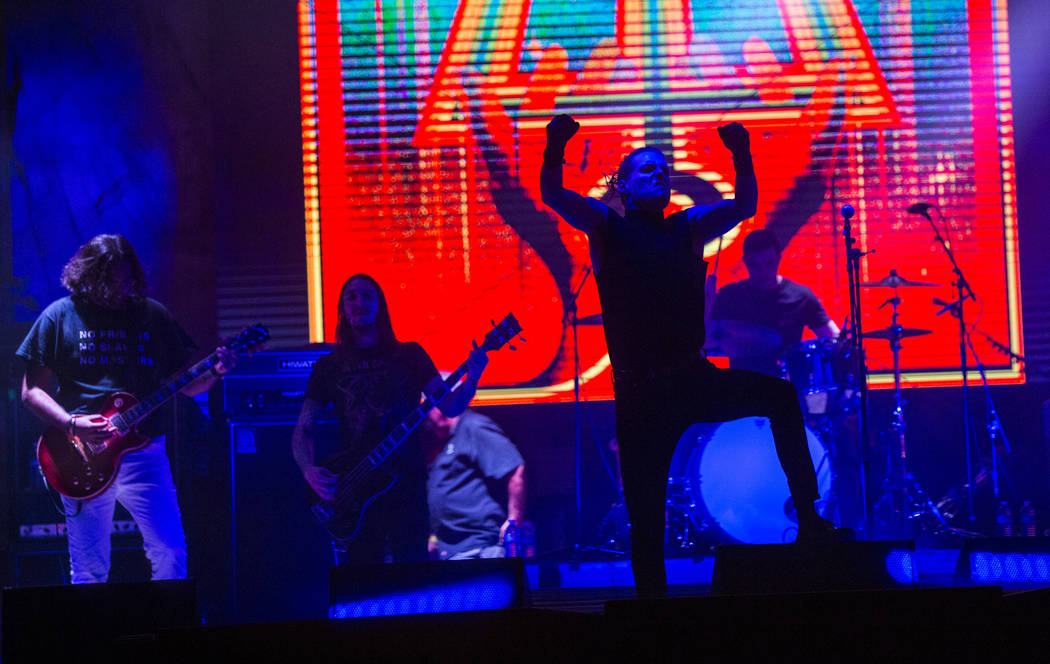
x: 83, y: 470
x: 360, y: 480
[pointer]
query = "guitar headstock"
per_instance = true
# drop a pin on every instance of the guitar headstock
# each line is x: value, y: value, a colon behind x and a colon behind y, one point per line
x: 499, y: 335
x: 248, y: 338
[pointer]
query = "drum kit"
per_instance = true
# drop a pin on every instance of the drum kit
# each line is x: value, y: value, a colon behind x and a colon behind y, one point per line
x: 726, y: 484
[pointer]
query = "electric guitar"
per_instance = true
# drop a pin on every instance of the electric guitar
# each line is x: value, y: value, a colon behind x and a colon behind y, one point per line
x: 360, y: 480
x: 83, y: 470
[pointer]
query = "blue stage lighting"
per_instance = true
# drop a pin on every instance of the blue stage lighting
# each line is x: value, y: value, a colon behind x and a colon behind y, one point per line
x: 433, y: 587
x: 1010, y: 568
x: 900, y: 565
x: 1005, y: 561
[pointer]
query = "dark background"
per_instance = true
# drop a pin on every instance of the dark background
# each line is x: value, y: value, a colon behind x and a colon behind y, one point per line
x: 177, y: 124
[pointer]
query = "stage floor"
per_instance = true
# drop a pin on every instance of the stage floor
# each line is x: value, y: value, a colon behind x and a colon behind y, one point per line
x: 588, y: 584
x: 586, y: 610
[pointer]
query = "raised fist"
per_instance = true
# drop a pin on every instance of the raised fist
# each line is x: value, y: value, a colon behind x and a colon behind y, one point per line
x: 736, y: 138
x: 560, y: 129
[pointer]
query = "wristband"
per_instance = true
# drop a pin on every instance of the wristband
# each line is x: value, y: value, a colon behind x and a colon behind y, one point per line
x: 743, y: 164
x: 553, y: 158
x: 71, y: 425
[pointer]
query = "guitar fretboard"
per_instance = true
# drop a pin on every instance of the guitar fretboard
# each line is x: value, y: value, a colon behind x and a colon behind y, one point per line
x: 394, y: 439
x: 128, y: 419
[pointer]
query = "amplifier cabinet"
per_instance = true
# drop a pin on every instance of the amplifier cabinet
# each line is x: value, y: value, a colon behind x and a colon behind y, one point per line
x: 270, y: 383
x: 280, y: 555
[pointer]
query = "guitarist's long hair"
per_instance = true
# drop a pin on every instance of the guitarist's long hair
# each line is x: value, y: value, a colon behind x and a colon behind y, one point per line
x: 89, y: 272
x: 344, y: 339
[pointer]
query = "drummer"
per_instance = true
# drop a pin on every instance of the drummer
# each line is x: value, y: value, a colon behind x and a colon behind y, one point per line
x: 755, y: 320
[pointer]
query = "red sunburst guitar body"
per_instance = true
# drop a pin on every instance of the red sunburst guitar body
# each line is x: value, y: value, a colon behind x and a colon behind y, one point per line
x: 76, y: 470
x: 82, y: 471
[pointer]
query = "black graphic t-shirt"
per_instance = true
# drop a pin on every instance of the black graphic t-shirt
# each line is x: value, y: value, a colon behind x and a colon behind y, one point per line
x: 94, y: 351
x: 371, y: 392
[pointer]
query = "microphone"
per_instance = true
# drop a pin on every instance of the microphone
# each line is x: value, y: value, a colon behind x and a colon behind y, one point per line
x: 847, y: 211
x: 920, y: 208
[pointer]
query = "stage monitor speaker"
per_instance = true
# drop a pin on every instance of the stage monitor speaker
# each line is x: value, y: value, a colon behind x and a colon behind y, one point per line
x: 368, y: 591
x: 897, y: 625
x: 281, y: 554
x: 1008, y: 562
x: 1046, y: 443
x: 743, y: 569
x: 81, y: 622
x: 45, y: 562
x: 511, y: 636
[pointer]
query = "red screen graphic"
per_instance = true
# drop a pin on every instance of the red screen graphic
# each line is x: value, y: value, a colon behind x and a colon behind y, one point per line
x: 424, y: 125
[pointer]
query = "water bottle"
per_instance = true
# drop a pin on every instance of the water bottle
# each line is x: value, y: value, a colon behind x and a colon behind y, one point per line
x: 1004, y: 520
x: 528, y: 539
x: 512, y: 540
x: 1027, y: 518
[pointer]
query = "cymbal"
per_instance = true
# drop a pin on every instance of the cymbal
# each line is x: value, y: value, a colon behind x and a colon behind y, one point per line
x: 894, y: 280
x: 737, y: 338
x: 900, y: 332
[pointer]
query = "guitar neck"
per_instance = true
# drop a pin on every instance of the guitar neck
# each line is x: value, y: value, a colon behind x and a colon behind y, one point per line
x: 132, y: 416
x: 401, y: 432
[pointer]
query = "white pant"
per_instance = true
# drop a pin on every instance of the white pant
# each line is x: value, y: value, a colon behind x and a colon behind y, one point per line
x: 144, y: 487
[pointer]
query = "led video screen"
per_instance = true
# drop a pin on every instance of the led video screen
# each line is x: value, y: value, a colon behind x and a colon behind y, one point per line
x: 424, y: 125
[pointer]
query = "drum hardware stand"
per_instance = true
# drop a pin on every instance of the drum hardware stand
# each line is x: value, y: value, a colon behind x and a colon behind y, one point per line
x: 963, y: 292
x: 828, y: 426
x: 993, y: 425
x: 853, y: 256
x: 900, y: 488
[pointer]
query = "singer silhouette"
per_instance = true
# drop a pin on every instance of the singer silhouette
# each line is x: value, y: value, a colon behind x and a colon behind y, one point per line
x: 650, y: 273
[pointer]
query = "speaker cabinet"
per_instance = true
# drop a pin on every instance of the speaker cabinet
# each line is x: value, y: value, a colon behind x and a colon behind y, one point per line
x: 46, y: 562
x: 1008, y: 562
x: 371, y: 591
x: 900, y: 625
x: 281, y: 556
x: 81, y: 622
x: 782, y: 568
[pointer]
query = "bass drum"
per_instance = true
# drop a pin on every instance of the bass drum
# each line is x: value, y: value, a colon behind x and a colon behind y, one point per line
x: 735, y: 482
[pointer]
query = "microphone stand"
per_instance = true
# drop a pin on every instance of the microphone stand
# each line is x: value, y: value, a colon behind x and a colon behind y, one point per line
x: 993, y: 424
x: 963, y: 292
x: 570, y: 312
x: 853, y: 256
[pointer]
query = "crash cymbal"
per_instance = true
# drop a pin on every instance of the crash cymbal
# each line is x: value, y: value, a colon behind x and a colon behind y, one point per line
x: 737, y: 338
x: 899, y: 332
x: 894, y: 280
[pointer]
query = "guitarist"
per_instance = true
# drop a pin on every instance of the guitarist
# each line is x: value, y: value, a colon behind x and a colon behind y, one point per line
x: 106, y: 337
x: 373, y: 381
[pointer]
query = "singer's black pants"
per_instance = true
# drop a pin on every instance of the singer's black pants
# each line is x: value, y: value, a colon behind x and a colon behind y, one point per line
x: 653, y: 413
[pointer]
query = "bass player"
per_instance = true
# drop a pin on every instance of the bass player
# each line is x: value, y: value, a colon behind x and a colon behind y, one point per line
x: 373, y: 381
